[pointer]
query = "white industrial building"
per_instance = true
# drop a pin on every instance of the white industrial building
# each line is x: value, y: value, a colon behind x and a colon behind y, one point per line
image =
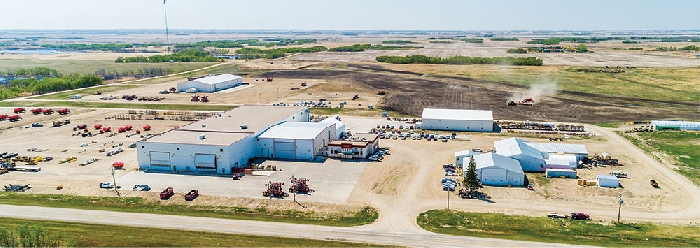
x: 607, y: 181
x: 675, y: 125
x: 457, y: 120
x: 339, y: 126
x: 562, y: 150
x: 530, y: 158
x: 360, y: 145
x: 568, y: 161
x: 496, y: 170
x: 462, y: 157
x: 296, y: 140
x: 216, y: 144
x: 211, y: 84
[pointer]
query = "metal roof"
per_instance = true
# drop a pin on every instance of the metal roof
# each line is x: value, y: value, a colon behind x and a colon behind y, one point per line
x: 466, y: 153
x: 556, y: 159
x: 515, y: 146
x: 680, y: 124
x: 225, y: 128
x: 296, y: 130
x: 457, y: 114
x: 560, y: 148
x: 492, y: 159
x: 217, y: 79
x: 608, y: 177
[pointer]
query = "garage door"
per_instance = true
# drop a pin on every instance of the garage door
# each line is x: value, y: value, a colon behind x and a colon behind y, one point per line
x: 205, y: 161
x: 284, y: 150
x: 493, y: 177
x: 160, y: 158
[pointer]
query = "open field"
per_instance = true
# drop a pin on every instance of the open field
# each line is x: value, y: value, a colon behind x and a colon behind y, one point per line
x: 87, y: 63
x: 94, y: 235
x: 675, y: 148
x: 544, y: 229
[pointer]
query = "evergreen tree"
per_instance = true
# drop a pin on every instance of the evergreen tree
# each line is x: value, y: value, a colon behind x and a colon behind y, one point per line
x: 470, y: 179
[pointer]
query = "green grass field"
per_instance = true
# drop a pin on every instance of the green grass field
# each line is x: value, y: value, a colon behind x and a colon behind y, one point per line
x: 94, y: 235
x: 359, y: 217
x: 544, y: 229
x: 681, y: 146
x: 77, y: 65
x: 136, y: 105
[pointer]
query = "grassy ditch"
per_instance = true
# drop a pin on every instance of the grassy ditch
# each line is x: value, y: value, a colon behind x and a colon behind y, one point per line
x: 83, y: 104
x: 95, y: 235
x: 359, y: 217
x: 680, y: 145
x: 544, y: 229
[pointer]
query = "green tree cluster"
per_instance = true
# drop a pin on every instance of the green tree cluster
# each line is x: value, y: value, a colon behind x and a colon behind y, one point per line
x: 690, y: 48
x: 581, y: 48
x: 441, y: 41
x: 32, y: 72
x: 516, y: 50
x: 398, y: 42
x: 362, y: 47
x: 630, y: 42
x: 34, y: 86
x: 504, y: 39
x: 473, y: 40
x: 33, y: 236
x: 471, y: 181
x: 254, y: 53
x: 460, y: 60
x: 184, y: 55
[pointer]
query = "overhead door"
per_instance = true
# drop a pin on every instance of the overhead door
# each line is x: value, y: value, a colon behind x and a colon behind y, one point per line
x: 284, y: 149
x: 205, y: 161
x: 160, y: 158
x: 493, y: 177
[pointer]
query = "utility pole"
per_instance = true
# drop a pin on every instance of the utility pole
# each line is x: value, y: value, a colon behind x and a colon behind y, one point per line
x: 114, y: 180
x: 620, y: 201
x: 167, y: 33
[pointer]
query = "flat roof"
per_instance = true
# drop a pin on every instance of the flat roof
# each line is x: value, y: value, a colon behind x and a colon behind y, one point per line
x: 217, y: 79
x: 457, y: 114
x: 228, y: 125
x: 560, y: 148
x: 296, y: 130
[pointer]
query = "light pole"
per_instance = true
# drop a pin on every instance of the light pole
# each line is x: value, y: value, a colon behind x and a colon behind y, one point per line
x: 114, y: 180
x: 620, y: 201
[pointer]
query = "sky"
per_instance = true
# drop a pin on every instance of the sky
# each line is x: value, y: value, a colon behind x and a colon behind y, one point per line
x: 459, y: 15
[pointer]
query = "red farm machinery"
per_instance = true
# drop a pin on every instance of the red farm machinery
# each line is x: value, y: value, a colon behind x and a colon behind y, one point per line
x: 275, y: 190
x: 300, y: 186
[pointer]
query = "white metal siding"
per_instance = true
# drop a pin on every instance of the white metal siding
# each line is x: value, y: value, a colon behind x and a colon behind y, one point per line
x: 284, y: 149
x: 205, y: 161
x: 160, y: 158
x: 458, y: 125
x: 493, y: 176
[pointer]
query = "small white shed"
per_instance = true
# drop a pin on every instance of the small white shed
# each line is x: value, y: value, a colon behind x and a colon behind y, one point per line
x: 608, y: 181
x: 462, y: 157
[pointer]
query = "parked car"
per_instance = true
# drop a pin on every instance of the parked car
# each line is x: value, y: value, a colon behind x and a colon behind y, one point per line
x: 142, y: 187
x: 108, y: 185
x: 580, y: 216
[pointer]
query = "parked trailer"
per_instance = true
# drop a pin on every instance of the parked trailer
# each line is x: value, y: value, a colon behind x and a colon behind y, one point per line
x: 33, y: 168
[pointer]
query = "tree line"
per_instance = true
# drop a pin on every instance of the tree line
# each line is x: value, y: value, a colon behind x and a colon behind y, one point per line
x: 268, y: 42
x: 184, y: 55
x: 554, y: 41
x: 33, y: 236
x: 32, y: 72
x: 473, y: 40
x: 140, y: 73
x: 460, y: 60
x: 255, y: 53
x: 398, y: 42
x: 34, y: 86
x: 504, y: 39
x: 685, y: 48
x: 99, y: 47
x: 362, y: 47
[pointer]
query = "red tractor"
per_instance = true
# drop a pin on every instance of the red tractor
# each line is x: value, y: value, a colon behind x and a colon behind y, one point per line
x: 166, y: 193
x: 269, y: 79
x: 36, y: 111
x: 300, y: 186
x: 191, y: 195
x: 14, y: 118
x: 147, y: 128
x: 63, y: 111
x: 195, y: 98
x: 47, y: 111
x: 205, y: 99
x: 121, y: 129
x: 128, y: 127
x: 106, y: 130
x: 79, y: 126
x: 97, y: 126
x: 275, y: 190
x: 3, y: 117
x: 19, y: 110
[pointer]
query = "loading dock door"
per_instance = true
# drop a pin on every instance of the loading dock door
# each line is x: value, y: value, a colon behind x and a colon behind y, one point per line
x: 284, y: 150
x: 160, y: 158
x: 205, y: 161
x: 493, y: 176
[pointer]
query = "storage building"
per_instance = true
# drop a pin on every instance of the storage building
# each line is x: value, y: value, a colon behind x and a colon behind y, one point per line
x: 557, y: 173
x: 216, y: 144
x: 457, y: 120
x: 608, y: 181
x: 462, y: 157
x: 339, y: 126
x: 211, y: 84
x: 549, y: 149
x: 496, y: 170
x: 296, y: 140
x: 530, y: 158
x: 360, y: 145
x: 675, y: 125
x: 568, y: 161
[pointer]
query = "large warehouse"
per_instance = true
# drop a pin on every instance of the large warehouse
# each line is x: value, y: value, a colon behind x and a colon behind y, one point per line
x: 496, y: 170
x: 216, y: 144
x: 211, y: 84
x: 296, y: 140
x: 530, y: 158
x: 457, y: 120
